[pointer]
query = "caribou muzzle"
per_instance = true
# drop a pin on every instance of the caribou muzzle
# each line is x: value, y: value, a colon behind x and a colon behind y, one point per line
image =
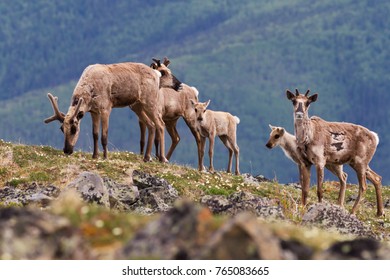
x: 269, y: 145
x: 177, y: 85
x: 68, y: 149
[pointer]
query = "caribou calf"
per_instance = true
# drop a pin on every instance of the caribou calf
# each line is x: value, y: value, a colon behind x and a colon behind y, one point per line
x: 336, y: 143
x: 222, y: 124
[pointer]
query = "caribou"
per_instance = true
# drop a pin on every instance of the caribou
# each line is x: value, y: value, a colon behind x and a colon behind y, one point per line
x: 216, y: 123
x: 102, y: 87
x: 173, y: 105
x: 337, y: 143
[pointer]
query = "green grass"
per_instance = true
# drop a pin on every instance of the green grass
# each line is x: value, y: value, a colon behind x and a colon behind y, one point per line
x: 105, y: 230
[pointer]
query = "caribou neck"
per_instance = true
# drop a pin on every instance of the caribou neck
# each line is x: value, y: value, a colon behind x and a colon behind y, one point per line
x: 303, y: 131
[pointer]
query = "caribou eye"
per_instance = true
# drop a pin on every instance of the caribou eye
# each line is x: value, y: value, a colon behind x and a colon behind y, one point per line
x: 80, y: 115
x: 277, y: 136
x: 196, y: 110
x: 163, y: 73
x: 294, y: 102
x: 204, y: 111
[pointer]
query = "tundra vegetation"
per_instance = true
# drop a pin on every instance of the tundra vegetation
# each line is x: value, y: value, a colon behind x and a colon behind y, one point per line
x: 106, y: 230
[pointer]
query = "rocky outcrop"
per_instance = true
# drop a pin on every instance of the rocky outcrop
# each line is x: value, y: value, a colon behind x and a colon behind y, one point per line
x: 91, y: 188
x: 333, y: 217
x: 178, y: 234
x: 188, y: 231
x: 185, y: 232
x: 26, y: 194
x: 357, y: 249
x: 147, y: 195
x: 243, y: 202
x: 32, y: 234
x: 155, y: 194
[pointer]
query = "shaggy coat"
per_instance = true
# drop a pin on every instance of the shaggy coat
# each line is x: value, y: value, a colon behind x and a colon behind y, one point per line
x: 173, y: 105
x: 323, y: 142
x: 103, y: 87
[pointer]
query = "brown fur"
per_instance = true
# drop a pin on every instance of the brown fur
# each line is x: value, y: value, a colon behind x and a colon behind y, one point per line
x: 323, y: 142
x: 280, y: 137
x: 173, y: 105
x: 212, y: 123
x: 103, y: 87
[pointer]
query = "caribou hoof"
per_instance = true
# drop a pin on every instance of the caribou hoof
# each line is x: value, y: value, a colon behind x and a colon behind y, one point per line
x: 147, y: 159
x: 164, y: 160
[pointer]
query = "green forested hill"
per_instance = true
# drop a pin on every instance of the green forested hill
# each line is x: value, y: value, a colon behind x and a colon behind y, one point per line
x: 242, y: 55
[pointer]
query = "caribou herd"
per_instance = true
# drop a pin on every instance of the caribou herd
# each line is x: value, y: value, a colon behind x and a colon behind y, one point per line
x: 159, y: 99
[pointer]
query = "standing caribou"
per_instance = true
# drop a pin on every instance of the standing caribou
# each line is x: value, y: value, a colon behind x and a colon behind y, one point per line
x: 337, y: 143
x: 103, y: 87
x: 173, y: 105
x: 216, y: 123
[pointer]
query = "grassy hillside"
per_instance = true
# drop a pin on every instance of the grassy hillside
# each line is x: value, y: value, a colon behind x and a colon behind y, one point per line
x: 24, y: 164
x: 241, y: 55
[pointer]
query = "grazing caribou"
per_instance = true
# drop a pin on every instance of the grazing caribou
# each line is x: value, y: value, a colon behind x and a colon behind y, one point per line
x: 337, y: 143
x: 103, y: 87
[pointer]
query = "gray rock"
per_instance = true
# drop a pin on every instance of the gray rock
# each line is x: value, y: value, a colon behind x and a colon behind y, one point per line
x: 242, y: 237
x: 177, y: 234
x: 122, y: 197
x: 334, y: 217
x: 34, y: 234
x: 243, y: 202
x: 91, y: 188
x: 295, y: 250
x: 26, y: 194
x: 155, y: 194
x: 249, y: 179
x: 357, y: 249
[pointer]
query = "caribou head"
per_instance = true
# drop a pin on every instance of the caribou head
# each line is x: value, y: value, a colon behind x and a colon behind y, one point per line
x: 70, y: 122
x: 301, y: 103
x: 167, y: 79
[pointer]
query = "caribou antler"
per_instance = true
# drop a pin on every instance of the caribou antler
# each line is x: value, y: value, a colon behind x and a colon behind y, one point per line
x: 296, y: 92
x: 307, y: 92
x: 58, y: 115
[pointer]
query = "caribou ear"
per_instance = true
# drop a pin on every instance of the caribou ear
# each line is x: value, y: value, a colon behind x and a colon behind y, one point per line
x: 166, y: 61
x: 313, y: 98
x: 290, y: 95
x: 207, y: 104
x: 153, y: 65
x: 271, y: 127
x: 157, y: 61
x: 192, y: 103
